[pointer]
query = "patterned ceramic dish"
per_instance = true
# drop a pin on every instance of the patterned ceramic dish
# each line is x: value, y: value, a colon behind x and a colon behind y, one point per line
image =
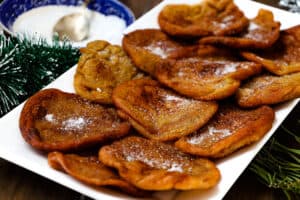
x: 11, y: 9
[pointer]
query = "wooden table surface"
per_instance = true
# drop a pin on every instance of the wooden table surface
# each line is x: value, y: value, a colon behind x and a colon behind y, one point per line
x: 17, y: 183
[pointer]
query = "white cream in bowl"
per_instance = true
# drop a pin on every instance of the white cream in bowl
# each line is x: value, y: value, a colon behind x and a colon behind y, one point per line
x: 40, y: 21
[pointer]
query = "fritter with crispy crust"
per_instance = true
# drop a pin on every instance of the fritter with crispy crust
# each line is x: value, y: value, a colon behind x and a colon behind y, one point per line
x: 261, y: 33
x: 149, y: 47
x: 54, y: 120
x: 153, y: 165
x: 206, y: 78
x: 90, y: 170
x: 210, y: 17
x: 101, y: 67
x: 159, y: 113
x: 283, y: 57
x: 269, y: 89
x: 230, y: 129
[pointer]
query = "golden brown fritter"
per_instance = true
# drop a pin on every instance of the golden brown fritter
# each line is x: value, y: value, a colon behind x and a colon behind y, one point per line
x: 153, y: 165
x: 211, y: 17
x: 54, y: 120
x: 90, y: 170
x: 230, y: 129
x: 102, y: 67
x: 284, y: 56
x: 207, y: 77
x: 269, y: 89
x: 159, y: 113
x: 149, y: 47
x: 261, y: 33
x: 214, y: 53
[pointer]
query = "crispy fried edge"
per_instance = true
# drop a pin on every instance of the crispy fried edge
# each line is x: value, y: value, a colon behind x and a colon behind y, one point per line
x: 58, y: 161
x: 124, y: 113
x: 238, y: 139
x: 81, y: 89
x: 159, y: 179
x: 216, y: 89
x: 31, y: 135
x: 143, y: 59
x: 240, y: 42
x: 194, y: 30
x: 271, y: 95
x: 270, y: 65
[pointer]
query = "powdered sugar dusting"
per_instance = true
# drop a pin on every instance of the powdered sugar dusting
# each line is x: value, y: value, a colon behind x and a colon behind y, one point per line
x: 168, y: 165
x: 49, y: 117
x: 228, y: 68
x: 180, y: 74
x: 157, y: 49
x: 156, y: 155
x: 170, y: 97
x: 175, y: 168
x: 179, y: 101
x: 253, y: 26
x: 212, y: 134
x: 74, y: 123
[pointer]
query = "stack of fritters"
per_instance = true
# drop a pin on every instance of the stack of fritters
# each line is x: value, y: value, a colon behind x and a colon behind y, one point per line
x: 159, y: 113
x: 269, y: 89
x: 200, y: 72
x: 261, y: 33
x: 153, y: 165
x: 205, y: 79
x: 283, y: 60
x: 204, y: 65
x: 90, y: 170
x: 283, y: 57
x: 211, y: 17
x: 149, y: 47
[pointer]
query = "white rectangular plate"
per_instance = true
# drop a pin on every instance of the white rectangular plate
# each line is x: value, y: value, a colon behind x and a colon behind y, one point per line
x: 14, y: 149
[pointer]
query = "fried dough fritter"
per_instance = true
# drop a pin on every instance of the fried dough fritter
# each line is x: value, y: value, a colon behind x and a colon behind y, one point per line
x: 283, y: 57
x: 149, y: 47
x: 269, y: 89
x: 159, y: 113
x: 230, y: 129
x: 90, y: 170
x: 211, y: 17
x: 153, y: 165
x: 102, y: 67
x: 206, y: 78
x: 261, y: 33
x: 52, y: 120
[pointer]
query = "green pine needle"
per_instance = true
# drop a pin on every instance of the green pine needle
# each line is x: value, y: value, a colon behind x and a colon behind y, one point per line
x: 12, y: 78
x: 27, y: 64
x: 278, y: 163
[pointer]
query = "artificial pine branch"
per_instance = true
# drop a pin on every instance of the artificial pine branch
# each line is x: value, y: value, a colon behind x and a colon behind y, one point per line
x: 12, y: 79
x: 278, y: 164
x: 27, y: 64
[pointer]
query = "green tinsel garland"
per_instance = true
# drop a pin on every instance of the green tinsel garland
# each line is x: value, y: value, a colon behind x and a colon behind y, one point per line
x: 29, y: 64
x: 278, y: 164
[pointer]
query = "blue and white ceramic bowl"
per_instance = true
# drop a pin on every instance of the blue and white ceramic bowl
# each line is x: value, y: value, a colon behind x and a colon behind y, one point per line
x: 11, y: 9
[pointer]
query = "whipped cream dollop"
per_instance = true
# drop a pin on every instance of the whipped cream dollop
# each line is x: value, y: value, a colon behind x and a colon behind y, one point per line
x: 40, y: 21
